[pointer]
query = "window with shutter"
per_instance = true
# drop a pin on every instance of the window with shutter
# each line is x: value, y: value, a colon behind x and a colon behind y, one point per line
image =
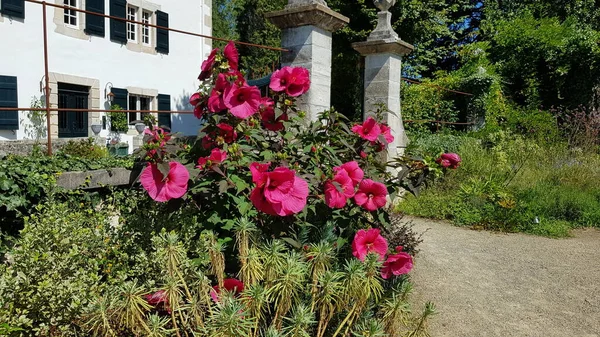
x: 9, y: 120
x: 13, y: 8
x: 162, y: 35
x: 94, y: 25
x: 118, y: 28
x: 120, y: 97
x: 164, y: 104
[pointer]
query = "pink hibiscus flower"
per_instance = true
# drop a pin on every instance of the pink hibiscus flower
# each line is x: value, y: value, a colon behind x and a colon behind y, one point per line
x: 369, y: 130
x: 242, y: 102
x: 354, y: 171
x: 294, y: 81
x: 397, y: 264
x: 227, y: 132
x: 449, y: 160
x: 159, y: 300
x: 216, y: 102
x: 267, y: 115
x: 231, y: 285
x: 207, y: 65
x: 369, y: 241
x: 279, y: 192
x: 161, y: 188
x: 371, y: 195
x: 337, y: 196
x: 232, y: 55
x: 195, y: 101
x: 386, y: 131
x: 217, y: 156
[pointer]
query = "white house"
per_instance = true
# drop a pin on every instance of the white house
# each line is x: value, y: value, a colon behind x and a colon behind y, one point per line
x: 90, y: 56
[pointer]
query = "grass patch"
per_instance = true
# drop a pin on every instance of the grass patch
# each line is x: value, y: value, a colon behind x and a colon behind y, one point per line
x: 507, y: 181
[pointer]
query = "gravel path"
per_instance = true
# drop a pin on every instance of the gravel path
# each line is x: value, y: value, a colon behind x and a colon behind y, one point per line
x: 491, y: 284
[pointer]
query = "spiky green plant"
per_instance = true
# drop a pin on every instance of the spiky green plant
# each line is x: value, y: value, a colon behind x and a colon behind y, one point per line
x: 288, y: 285
x: 274, y: 258
x: 255, y: 299
x: 215, y: 252
x: 395, y: 311
x: 369, y: 328
x: 171, y: 253
x: 158, y: 326
x: 254, y: 269
x: 243, y: 231
x: 131, y: 308
x: 99, y: 319
x: 328, y: 298
x: 230, y: 318
x: 300, y: 322
x: 201, y: 301
x: 363, y: 283
x: 272, y: 332
x: 174, y: 294
x: 420, y: 328
x: 320, y: 257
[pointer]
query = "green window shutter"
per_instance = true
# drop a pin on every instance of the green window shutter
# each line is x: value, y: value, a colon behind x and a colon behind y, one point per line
x: 120, y: 97
x: 9, y: 120
x: 94, y: 25
x: 13, y: 8
x: 118, y: 29
x: 162, y: 35
x: 164, y: 104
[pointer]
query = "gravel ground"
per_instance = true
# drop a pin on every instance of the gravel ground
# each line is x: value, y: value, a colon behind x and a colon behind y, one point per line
x: 493, y: 284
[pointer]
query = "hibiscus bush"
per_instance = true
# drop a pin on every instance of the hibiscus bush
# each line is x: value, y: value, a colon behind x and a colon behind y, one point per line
x: 258, y: 157
x: 311, y: 187
x: 265, y: 224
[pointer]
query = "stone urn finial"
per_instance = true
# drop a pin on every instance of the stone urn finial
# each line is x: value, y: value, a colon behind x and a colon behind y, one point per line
x: 384, y: 30
x: 384, y: 5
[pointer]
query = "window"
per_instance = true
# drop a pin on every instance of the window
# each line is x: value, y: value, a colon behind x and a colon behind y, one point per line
x: 138, y: 103
x: 9, y: 120
x: 131, y: 27
x: 70, y: 16
x: 146, y: 18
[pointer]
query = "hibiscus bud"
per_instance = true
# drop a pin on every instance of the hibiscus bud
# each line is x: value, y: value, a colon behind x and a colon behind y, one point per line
x: 301, y: 114
x: 287, y: 102
x: 363, y: 154
x: 305, y: 247
x: 313, y: 149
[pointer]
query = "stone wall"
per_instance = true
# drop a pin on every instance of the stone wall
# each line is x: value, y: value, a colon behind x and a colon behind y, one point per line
x: 25, y: 147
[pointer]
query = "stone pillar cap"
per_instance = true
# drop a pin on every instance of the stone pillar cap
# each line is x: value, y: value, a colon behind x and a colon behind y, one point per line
x: 314, y: 14
x: 393, y: 46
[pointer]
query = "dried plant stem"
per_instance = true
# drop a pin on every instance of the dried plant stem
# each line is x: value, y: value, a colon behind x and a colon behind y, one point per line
x: 350, y: 313
x: 174, y: 320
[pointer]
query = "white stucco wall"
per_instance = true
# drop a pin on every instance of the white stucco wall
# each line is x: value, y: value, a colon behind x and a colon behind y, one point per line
x: 106, y: 61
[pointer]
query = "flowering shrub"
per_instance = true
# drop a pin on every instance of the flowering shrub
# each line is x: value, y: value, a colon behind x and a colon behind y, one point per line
x: 261, y: 155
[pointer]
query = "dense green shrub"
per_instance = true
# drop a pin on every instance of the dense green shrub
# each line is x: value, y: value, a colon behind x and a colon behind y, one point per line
x: 506, y: 181
x: 85, y: 148
x: 26, y: 181
x: 55, y: 269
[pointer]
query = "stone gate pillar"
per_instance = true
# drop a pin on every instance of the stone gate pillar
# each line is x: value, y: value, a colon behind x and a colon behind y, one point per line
x: 306, y: 27
x: 383, y: 65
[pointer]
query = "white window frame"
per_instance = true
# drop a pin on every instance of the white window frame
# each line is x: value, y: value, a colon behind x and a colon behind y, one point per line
x: 138, y: 106
x: 132, y: 33
x: 71, y: 14
x: 146, y: 31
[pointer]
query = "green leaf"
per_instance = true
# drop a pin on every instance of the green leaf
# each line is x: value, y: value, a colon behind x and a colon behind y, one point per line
x: 292, y: 242
x: 223, y: 186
